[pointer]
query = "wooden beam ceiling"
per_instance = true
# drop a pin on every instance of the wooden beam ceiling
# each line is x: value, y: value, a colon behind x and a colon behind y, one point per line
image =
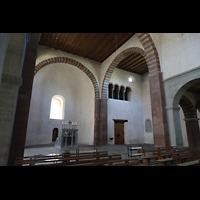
x: 135, y: 63
x: 94, y: 46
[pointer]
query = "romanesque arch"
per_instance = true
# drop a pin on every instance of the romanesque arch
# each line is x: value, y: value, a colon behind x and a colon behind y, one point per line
x: 191, y: 122
x: 160, y: 126
x: 91, y: 77
x: 113, y: 65
x: 74, y: 63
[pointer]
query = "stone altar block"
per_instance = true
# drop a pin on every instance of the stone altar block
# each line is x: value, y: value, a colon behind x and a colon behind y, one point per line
x: 66, y: 138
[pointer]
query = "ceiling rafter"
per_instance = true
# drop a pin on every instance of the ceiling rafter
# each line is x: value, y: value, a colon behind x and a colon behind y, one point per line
x: 94, y: 46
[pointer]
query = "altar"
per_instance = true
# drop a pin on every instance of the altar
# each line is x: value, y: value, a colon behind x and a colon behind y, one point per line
x: 67, y: 137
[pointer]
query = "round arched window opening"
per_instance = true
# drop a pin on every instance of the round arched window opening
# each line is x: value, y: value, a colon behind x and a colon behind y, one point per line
x: 57, y: 107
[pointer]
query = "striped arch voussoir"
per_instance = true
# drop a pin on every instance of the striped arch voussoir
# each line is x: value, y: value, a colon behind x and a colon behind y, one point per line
x: 74, y: 63
x: 113, y: 65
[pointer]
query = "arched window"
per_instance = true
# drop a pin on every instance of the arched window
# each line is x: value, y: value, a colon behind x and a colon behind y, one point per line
x: 116, y: 92
x: 110, y: 90
x: 57, y: 107
x: 122, y: 93
x: 127, y: 94
x: 119, y: 92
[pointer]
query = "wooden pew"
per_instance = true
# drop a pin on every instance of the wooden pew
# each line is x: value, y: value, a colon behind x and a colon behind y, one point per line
x: 96, y: 162
x: 59, y: 155
x: 163, y: 162
x: 146, y: 159
x: 156, y: 153
x: 190, y: 163
x: 111, y: 162
x: 88, y: 160
x: 55, y: 158
x: 162, y: 153
x: 67, y: 159
x: 126, y: 162
x: 181, y: 157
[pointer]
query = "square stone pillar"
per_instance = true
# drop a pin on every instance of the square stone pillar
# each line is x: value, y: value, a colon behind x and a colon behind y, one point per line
x: 176, y: 138
x: 193, y: 133
x: 23, y: 101
x: 100, y: 130
x: 159, y: 116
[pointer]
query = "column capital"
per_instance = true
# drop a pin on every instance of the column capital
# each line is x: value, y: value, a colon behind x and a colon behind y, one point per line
x: 173, y: 108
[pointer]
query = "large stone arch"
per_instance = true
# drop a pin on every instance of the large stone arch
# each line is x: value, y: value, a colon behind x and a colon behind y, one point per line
x: 74, y: 63
x: 175, y: 87
x: 160, y: 126
x: 191, y: 122
x: 91, y: 77
x: 113, y: 65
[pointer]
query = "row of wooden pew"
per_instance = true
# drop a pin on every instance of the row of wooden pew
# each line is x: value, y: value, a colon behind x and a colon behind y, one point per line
x: 173, y: 156
x: 149, y: 157
x: 99, y: 158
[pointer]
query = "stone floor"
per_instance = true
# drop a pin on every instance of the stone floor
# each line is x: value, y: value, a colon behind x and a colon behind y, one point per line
x: 112, y: 149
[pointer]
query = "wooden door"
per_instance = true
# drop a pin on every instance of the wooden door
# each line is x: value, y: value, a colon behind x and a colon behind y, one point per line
x: 119, y: 132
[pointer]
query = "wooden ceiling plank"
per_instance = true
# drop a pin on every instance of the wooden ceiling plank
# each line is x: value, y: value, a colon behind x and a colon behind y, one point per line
x: 137, y: 65
x: 56, y: 40
x: 142, y: 68
x: 70, y: 42
x: 111, y: 47
x: 132, y: 62
x: 52, y: 39
x: 79, y: 47
x: 59, y: 40
x: 75, y: 44
x: 138, y: 62
x: 47, y: 39
x: 127, y: 59
x: 98, y: 44
x: 105, y: 48
x: 63, y: 39
x: 98, y: 49
x: 88, y: 44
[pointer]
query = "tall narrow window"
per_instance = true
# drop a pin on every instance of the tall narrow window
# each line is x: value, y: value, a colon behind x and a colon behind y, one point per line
x: 110, y: 90
x: 121, y: 93
x: 57, y: 107
x: 116, y: 92
x: 127, y: 94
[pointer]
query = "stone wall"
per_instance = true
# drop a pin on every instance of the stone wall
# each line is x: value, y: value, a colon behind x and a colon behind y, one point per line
x: 10, y: 83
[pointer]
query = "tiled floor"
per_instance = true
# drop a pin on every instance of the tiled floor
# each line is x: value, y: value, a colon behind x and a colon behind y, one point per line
x: 112, y: 149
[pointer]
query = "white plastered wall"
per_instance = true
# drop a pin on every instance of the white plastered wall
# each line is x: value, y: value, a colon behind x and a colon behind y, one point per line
x: 78, y: 91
